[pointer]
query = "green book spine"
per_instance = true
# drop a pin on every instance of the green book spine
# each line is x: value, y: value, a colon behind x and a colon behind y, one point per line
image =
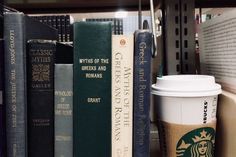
x: 92, y: 89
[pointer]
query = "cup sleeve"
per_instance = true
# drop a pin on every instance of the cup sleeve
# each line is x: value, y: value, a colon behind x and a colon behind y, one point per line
x: 187, y: 140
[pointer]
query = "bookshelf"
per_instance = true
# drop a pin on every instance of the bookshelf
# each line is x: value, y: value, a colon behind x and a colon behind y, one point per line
x: 109, y: 6
x: 37, y: 6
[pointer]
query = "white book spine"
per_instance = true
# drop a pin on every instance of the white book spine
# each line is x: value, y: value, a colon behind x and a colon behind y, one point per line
x: 122, y: 95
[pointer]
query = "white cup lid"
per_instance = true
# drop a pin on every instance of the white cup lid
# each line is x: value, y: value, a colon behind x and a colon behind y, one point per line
x: 186, y: 86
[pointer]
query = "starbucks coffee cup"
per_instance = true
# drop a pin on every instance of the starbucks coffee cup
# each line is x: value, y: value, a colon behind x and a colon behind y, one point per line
x: 186, y: 111
x: 186, y: 99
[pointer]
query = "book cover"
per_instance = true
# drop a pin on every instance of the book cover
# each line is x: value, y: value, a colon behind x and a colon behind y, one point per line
x: 68, y: 38
x: 58, y: 27
x: 2, y: 105
x: 15, y: 89
x: 63, y: 28
x: 18, y: 28
x: 142, y: 84
x: 122, y: 95
x: 49, y: 19
x: 92, y: 89
x: 54, y: 22
x: 63, y: 110
x: 40, y: 82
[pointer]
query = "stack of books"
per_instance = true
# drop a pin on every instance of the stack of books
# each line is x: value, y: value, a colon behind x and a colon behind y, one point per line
x: 63, y: 23
x: 90, y: 100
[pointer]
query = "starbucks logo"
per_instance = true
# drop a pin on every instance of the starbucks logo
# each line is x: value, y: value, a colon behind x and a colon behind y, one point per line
x: 197, y: 143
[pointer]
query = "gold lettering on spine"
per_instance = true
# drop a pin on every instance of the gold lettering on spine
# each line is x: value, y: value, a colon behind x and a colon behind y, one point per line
x: 41, y: 70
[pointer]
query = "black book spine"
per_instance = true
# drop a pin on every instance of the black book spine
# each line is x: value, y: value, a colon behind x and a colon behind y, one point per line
x: 121, y: 26
x: 15, y: 84
x: 54, y: 22
x: 2, y: 105
x: 49, y: 18
x: 58, y: 26
x: 67, y: 18
x: 63, y: 28
x: 45, y: 20
x: 40, y: 18
x: 40, y: 77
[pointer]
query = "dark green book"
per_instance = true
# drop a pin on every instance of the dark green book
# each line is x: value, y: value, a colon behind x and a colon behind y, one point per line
x: 92, y: 89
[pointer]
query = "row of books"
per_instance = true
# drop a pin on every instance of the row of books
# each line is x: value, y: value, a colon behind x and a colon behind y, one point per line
x: 91, y: 100
x: 63, y: 23
x: 116, y: 24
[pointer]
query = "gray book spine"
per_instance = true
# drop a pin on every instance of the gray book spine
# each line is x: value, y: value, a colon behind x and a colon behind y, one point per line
x: 15, y: 85
x: 63, y: 110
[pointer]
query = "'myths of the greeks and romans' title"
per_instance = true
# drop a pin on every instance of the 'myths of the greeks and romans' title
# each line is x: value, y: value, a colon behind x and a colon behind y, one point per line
x: 94, y: 68
x: 122, y: 96
x: 41, y: 60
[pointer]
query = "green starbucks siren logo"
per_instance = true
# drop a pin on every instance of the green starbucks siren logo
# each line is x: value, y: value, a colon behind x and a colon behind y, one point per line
x: 197, y: 143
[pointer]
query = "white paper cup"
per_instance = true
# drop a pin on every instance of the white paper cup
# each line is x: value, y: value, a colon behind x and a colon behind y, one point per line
x: 186, y: 99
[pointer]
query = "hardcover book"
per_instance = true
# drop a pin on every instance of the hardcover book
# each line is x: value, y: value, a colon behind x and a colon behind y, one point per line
x: 63, y: 110
x: 68, y: 33
x: 92, y: 89
x: 142, y: 84
x: 58, y: 27
x: 18, y: 28
x: 40, y: 77
x: 63, y: 101
x: 122, y: 95
x: 2, y: 105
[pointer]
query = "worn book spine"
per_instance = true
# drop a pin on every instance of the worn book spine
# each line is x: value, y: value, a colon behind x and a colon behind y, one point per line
x: 54, y: 21
x: 63, y: 110
x: 58, y: 27
x: 67, y: 18
x: 92, y: 89
x: 15, y: 84
x: 142, y: 84
x: 122, y: 95
x: 40, y: 79
x: 63, y: 28
x: 2, y: 104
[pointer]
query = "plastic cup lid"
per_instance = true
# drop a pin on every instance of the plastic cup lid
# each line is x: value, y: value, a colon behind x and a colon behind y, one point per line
x: 186, y: 86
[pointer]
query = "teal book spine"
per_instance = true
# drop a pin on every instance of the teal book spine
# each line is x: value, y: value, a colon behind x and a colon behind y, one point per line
x: 92, y: 89
x: 63, y: 110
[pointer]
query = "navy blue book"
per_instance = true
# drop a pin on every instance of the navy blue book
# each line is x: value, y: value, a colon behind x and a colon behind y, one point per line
x: 142, y: 84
